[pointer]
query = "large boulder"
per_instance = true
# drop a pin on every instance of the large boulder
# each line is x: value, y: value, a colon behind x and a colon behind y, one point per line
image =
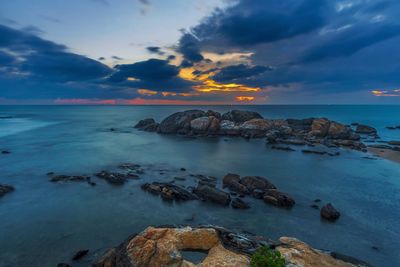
x: 240, y: 116
x: 339, y: 131
x: 5, y: 188
x: 320, y: 127
x: 256, y: 182
x: 229, y: 128
x: 214, y: 124
x: 200, y: 124
x: 365, y: 129
x: 144, y: 123
x: 232, y: 181
x: 179, y: 121
x: 168, y: 191
x: 329, y: 212
x: 212, y: 194
x: 254, y: 128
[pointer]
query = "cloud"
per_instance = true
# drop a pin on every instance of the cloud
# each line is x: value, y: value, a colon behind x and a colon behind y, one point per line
x: 241, y: 71
x: 189, y: 48
x: 155, y: 50
x: 117, y: 58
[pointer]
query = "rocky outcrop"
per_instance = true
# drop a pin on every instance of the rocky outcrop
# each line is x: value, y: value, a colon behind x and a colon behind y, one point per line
x: 232, y: 181
x: 168, y: 191
x: 320, y: 127
x: 5, y: 188
x: 278, y: 198
x: 70, y: 178
x: 212, y: 194
x: 339, y: 131
x: 179, y: 122
x: 116, y: 178
x: 329, y: 212
x: 238, y: 203
x: 163, y: 247
x: 365, y: 129
x: 240, y: 116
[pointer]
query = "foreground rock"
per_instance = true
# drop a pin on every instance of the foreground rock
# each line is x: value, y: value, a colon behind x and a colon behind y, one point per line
x: 161, y: 247
x: 169, y: 191
x: 329, y: 212
x: 5, y: 188
x: 249, y: 124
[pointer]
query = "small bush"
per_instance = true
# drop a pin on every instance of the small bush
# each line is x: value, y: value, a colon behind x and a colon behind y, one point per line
x: 266, y: 257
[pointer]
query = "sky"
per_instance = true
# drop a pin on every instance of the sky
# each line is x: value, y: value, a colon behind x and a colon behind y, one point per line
x: 199, y: 52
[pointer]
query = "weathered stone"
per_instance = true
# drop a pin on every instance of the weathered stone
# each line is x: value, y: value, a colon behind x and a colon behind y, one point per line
x: 179, y: 121
x: 212, y: 194
x: 339, y: 131
x: 214, y: 125
x: 320, y: 127
x: 256, y: 182
x: 365, y: 129
x: 80, y: 254
x: 232, y: 181
x: 229, y: 128
x: 115, y: 177
x: 143, y: 123
x: 5, y: 188
x: 240, y: 116
x: 211, y: 113
x: 200, y: 124
x: 238, y: 203
x: 298, y: 253
x: 257, y: 193
x: 329, y: 212
x: 278, y: 198
x: 300, y: 124
x: 169, y: 191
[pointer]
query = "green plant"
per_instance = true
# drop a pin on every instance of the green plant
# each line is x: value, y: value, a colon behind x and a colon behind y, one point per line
x: 266, y: 257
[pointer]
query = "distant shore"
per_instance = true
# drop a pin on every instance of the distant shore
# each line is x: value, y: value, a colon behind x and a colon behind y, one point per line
x: 386, y: 154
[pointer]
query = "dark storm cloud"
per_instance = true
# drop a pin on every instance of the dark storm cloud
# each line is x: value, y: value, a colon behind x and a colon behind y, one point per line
x: 117, y: 58
x: 189, y: 48
x: 6, y: 59
x: 155, y: 50
x: 241, y: 71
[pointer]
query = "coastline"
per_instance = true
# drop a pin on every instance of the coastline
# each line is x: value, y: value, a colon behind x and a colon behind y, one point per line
x: 388, y: 154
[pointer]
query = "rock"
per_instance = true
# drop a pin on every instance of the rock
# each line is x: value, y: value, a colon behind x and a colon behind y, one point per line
x: 308, y: 151
x: 229, y: 128
x: 317, y: 200
x: 70, y: 178
x: 298, y: 253
x: 338, y: 131
x: 211, y: 113
x: 179, y: 121
x: 169, y: 191
x: 278, y: 198
x: 238, y: 203
x: 256, y: 182
x: 300, y: 124
x: 365, y: 129
x: 328, y: 212
x: 63, y: 265
x: 5, y: 188
x: 320, y: 127
x: 232, y: 181
x: 394, y: 143
x: 380, y: 146
x: 212, y: 194
x: 5, y: 152
x: 80, y: 254
x: 161, y: 247
x: 183, y: 169
x: 151, y: 127
x: 115, y: 177
x: 257, y: 193
x: 391, y: 127
x: 284, y: 148
x: 293, y: 141
x: 143, y: 123
x: 314, y: 206
x: 200, y: 125
x: 214, y: 125
x: 240, y: 116
x: 254, y: 128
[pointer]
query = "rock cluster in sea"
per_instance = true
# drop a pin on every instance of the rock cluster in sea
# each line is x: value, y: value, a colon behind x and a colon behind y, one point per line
x: 249, y: 124
x: 163, y: 246
x: 5, y: 189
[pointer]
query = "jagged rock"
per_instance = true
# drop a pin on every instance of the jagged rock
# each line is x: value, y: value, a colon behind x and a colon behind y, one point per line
x: 200, y: 124
x: 211, y: 113
x: 80, y: 254
x: 214, y: 125
x: 5, y: 188
x: 229, y: 128
x: 169, y: 191
x: 238, y: 203
x: 179, y: 121
x: 115, y: 177
x: 212, y: 194
x: 329, y: 212
x: 240, y: 116
x: 256, y: 182
x: 338, y: 131
x: 298, y: 253
x: 232, y: 181
x: 320, y: 127
x: 278, y: 198
x: 365, y: 129
x: 143, y: 123
x: 70, y: 178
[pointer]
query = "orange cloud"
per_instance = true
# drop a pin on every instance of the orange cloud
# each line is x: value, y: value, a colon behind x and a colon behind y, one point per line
x: 147, y: 92
x: 212, y: 86
x: 395, y: 92
x: 245, y: 98
x: 141, y: 101
x: 81, y: 101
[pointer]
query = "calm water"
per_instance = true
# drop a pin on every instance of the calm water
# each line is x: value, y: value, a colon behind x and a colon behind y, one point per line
x: 43, y: 223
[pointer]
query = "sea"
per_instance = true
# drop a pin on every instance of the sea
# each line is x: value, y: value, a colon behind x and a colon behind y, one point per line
x: 44, y: 223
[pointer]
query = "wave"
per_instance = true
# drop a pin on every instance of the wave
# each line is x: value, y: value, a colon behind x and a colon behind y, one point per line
x: 11, y: 126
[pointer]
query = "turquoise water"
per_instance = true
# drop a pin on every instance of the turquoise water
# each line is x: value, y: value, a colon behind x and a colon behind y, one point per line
x: 43, y: 223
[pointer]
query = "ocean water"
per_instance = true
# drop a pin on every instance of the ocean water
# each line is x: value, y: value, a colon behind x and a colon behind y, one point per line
x: 42, y: 223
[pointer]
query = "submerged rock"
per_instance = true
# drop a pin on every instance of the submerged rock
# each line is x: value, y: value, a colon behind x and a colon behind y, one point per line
x: 80, y: 254
x: 365, y: 129
x: 116, y: 178
x: 277, y: 198
x: 169, y: 191
x: 212, y: 194
x: 329, y: 212
x: 232, y: 181
x: 256, y: 182
x: 5, y: 188
x: 69, y: 178
x: 5, y: 152
x: 238, y: 203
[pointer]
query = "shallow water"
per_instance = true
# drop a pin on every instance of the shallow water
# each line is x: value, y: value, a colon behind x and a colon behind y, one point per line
x: 43, y: 223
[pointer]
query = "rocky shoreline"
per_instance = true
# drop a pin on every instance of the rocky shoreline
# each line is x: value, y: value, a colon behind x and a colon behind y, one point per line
x: 321, y: 135
x: 165, y: 246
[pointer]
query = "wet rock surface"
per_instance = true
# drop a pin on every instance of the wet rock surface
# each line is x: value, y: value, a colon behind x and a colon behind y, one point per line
x: 329, y: 212
x: 5, y: 189
x: 163, y: 246
x: 169, y: 191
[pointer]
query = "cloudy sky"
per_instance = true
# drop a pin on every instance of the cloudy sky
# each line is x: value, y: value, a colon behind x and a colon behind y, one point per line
x: 200, y: 52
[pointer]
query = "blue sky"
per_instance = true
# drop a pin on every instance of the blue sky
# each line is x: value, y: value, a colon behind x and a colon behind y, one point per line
x: 199, y: 52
